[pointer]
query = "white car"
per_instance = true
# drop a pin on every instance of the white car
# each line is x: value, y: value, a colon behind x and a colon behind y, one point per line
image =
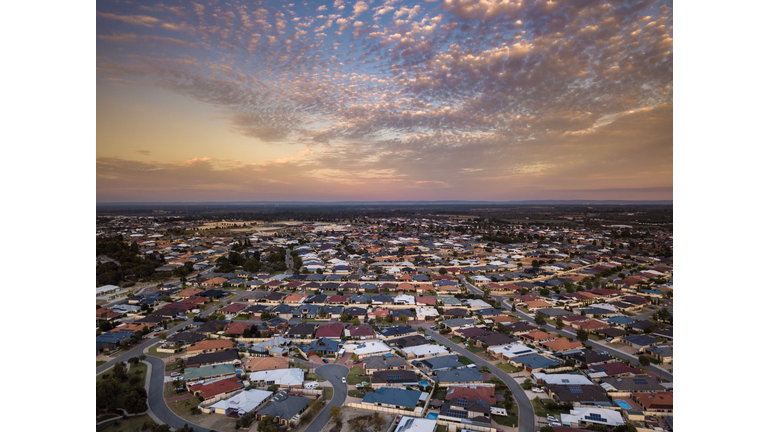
x: 551, y: 417
x: 553, y: 424
x: 537, y: 390
x: 344, y: 380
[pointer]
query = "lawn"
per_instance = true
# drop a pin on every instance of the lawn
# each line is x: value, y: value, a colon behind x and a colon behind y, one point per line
x: 457, y: 340
x: 314, y: 377
x: 442, y: 428
x: 594, y: 337
x: 539, y: 410
x: 508, y: 368
x: 355, y: 393
x: 99, y: 362
x: 153, y: 352
x: 475, y: 349
x: 131, y: 424
x: 327, y: 393
x: 509, y: 420
x: 440, y: 394
x: 183, y: 407
x: 242, y: 317
x: 465, y: 360
x: 353, y: 378
x: 171, y: 367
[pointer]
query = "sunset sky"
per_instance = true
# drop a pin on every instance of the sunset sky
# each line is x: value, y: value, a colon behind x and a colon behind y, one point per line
x: 394, y: 100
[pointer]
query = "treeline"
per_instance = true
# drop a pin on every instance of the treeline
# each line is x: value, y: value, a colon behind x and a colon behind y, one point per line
x: 132, y: 267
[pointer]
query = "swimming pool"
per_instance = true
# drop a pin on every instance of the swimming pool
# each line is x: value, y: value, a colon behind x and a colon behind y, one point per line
x: 623, y: 404
x: 432, y: 416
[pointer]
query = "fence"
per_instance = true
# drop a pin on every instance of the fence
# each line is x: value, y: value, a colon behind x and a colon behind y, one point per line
x: 467, y: 426
x: 415, y: 413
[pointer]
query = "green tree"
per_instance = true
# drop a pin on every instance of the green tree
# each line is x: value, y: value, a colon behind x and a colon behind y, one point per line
x: 252, y: 265
x: 335, y: 410
x: 582, y: 335
x: 540, y: 318
x: 559, y: 323
x: 443, y: 271
x: 644, y: 360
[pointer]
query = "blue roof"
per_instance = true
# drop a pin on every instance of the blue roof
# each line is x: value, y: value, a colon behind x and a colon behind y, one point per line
x: 393, y: 396
x: 621, y: 320
x: 112, y: 337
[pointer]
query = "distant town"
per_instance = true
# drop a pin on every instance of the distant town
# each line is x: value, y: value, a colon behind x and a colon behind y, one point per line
x: 558, y: 321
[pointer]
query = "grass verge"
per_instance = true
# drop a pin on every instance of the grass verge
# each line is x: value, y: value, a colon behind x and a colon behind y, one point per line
x: 131, y: 424
x: 153, y: 352
x: 354, y: 376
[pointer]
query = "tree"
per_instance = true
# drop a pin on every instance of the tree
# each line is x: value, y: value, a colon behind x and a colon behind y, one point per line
x: 540, y: 319
x: 644, y: 360
x: 119, y: 371
x: 559, y: 323
x: 582, y: 335
x: 443, y: 271
x: 356, y: 321
x: 544, y: 292
x: 335, y: 410
x: 135, y: 402
x: 252, y: 265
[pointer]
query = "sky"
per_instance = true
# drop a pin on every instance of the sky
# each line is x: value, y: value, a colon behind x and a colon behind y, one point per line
x: 497, y: 100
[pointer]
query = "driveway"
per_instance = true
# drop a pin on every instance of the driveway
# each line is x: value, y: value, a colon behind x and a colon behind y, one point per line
x: 526, y: 420
x: 333, y: 373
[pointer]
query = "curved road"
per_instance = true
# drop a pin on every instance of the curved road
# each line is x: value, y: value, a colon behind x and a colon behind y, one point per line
x: 604, y: 347
x: 155, y: 394
x: 156, y: 400
x: 333, y: 373
x: 526, y: 421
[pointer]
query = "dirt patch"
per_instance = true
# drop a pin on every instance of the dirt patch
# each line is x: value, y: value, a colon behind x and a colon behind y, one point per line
x: 352, y: 420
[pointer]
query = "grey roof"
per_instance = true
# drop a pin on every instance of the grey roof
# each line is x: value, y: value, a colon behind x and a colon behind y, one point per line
x: 459, y: 375
x: 637, y: 383
x: 285, y: 406
x: 443, y: 362
x: 458, y: 322
x: 535, y: 361
x: 393, y: 396
x: 554, y: 312
x: 381, y: 362
x: 642, y: 340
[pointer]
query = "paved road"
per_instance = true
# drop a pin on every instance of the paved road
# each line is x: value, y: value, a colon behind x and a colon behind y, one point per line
x: 333, y: 373
x: 139, y: 349
x: 599, y: 346
x: 527, y: 420
x: 156, y: 401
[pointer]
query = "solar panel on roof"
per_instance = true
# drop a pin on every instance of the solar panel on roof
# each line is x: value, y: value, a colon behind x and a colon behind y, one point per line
x: 639, y: 380
x: 575, y: 389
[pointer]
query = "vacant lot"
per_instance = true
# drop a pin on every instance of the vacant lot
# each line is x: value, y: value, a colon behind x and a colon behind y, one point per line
x: 131, y: 424
x: 357, y: 420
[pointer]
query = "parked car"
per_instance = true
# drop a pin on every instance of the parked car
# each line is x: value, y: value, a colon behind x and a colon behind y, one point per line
x: 553, y: 424
x: 175, y: 374
x: 181, y: 390
x: 537, y: 390
x: 325, y: 360
x: 359, y: 385
x: 344, y: 380
x: 551, y: 417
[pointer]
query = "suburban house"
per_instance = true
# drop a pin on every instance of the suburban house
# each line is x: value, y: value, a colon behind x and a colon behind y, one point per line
x: 362, y: 331
x: 226, y: 356
x: 562, y: 344
x: 205, y: 346
x: 399, y: 379
x: 379, y: 363
x: 396, y: 398
x: 285, y: 408
x: 533, y: 362
x: 424, y: 351
x: 241, y: 403
x: 440, y: 363
x: 658, y: 402
x: 206, y: 373
x: 582, y: 417
x: 460, y: 377
x: 219, y: 388
x: 293, y: 377
x: 371, y: 348
x: 266, y: 363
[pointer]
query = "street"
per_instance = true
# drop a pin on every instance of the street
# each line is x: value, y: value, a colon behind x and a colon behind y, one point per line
x: 333, y: 373
x: 526, y: 420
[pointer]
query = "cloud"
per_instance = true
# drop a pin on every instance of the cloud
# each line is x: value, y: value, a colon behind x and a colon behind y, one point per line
x: 544, y: 94
x: 140, y: 20
x: 142, y: 152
